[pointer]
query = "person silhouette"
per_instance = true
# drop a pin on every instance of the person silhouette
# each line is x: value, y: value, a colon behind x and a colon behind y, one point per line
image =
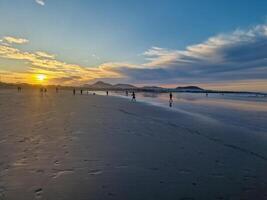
x: 170, y: 101
x: 74, y: 91
x: 133, y: 97
x: 107, y: 93
x: 126, y: 93
x: 81, y: 92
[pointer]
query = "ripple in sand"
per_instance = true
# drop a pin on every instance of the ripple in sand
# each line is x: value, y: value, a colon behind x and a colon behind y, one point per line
x: 249, y: 177
x: 154, y: 168
x: 248, y: 189
x: 39, y: 171
x: 217, y: 175
x: 95, y: 172
x: 62, y: 173
x: 185, y: 171
x: 122, y: 166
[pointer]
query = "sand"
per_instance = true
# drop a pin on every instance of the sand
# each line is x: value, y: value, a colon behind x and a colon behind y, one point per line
x: 86, y: 147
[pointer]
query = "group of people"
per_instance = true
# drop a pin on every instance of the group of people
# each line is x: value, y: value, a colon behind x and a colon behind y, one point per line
x: 19, y: 89
x: 107, y: 93
x: 81, y: 91
x: 44, y: 91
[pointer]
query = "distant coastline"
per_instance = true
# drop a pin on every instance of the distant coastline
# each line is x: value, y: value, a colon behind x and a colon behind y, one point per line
x: 102, y: 86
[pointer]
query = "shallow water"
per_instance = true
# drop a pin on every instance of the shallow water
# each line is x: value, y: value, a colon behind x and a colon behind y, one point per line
x: 243, y: 110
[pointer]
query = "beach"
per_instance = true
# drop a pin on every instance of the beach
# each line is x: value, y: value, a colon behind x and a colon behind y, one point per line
x: 61, y: 146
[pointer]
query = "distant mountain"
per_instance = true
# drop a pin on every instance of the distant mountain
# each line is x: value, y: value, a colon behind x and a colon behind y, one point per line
x: 189, y: 88
x: 100, y: 85
x: 124, y: 86
x: 153, y: 88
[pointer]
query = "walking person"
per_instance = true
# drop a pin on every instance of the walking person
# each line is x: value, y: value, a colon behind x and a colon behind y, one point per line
x: 133, y: 97
x: 170, y: 101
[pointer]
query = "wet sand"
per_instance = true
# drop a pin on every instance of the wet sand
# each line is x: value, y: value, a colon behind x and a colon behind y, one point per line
x: 60, y: 146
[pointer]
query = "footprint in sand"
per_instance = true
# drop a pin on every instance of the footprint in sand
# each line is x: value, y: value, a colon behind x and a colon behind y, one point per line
x: 56, y: 162
x: 2, y: 192
x: 38, y: 193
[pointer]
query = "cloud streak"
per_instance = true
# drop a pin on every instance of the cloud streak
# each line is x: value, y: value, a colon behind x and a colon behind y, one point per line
x: 14, y: 40
x: 40, y: 2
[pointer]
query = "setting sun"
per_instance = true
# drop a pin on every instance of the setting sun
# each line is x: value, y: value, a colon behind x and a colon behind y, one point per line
x: 41, y: 77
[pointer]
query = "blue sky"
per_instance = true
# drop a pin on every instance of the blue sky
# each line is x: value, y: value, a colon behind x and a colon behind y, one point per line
x: 95, y: 33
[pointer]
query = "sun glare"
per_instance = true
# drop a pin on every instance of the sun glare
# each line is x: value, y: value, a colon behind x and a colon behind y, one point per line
x: 41, y: 77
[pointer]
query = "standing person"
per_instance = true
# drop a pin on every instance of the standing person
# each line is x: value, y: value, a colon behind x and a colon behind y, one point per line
x: 81, y: 92
x: 42, y: 91
x: 133, y: 97
x: 107, y: 93
x: 74, y: 91
x: 170, y: 101
x: 127, y: 93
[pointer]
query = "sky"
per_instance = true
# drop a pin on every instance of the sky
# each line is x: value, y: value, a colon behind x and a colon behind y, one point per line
x: 213, y: 44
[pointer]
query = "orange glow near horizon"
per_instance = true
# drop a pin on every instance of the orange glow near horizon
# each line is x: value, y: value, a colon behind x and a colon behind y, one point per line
x: 41, y: 77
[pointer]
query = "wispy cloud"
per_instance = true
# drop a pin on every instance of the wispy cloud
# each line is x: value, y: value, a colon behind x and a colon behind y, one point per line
x: 45, y: 55
x: 40, y: 2
x: 11, y: 40
x: 95, y: 56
